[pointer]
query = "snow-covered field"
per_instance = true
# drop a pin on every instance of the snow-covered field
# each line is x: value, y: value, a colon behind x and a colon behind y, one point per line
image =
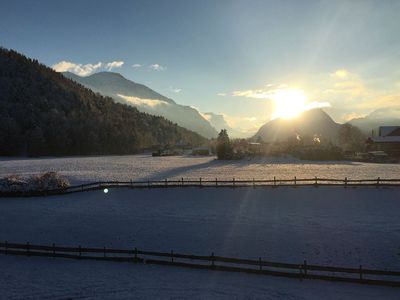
x: 325, y: 225
x: 40, y: 278
x: 144, y: 167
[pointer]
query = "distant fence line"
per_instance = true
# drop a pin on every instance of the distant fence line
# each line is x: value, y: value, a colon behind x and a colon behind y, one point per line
x: 233, y: 183
x: 210, y: 262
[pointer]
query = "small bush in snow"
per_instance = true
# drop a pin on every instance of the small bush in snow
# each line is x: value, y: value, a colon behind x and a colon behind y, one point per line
x: 48, y: 181
x: 12, y: 183
x: 43, y: 182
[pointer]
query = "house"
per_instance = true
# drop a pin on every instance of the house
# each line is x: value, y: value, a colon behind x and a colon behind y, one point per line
x: 387, y: 141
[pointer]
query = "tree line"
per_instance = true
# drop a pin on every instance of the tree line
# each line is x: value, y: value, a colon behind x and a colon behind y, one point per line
x: 44, y: 113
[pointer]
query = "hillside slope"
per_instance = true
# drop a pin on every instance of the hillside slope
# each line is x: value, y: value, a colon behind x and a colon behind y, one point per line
x: 145, y: 100
x: 44, y: 113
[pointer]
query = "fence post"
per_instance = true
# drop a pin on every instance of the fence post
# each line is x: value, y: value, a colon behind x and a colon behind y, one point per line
x: 212, y: 259
x: 345, y: 182
x: 166, y: 182
x: 295, y: 180
x: 182, y: 181
x: 131, y: 183
x: 361, y: 272
x: 200, y: 182
x: 378, y: 180
x: 233, y: 181
x: 172, y: 256
x: 148, y: 183
x: 316, y: 181
x: 259, y: 262
x: 135, y: 253
x: 274, y: 181
x: 216, y: 181
x: 254, y: 183
x: 305, y: 267
x: 54, y: 250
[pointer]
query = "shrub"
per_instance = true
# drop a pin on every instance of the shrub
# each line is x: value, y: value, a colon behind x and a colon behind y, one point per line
x: 43, y: 182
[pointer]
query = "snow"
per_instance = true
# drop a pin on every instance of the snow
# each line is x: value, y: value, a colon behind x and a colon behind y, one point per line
x: 326, y: 225
x: 143, y: 167
x: 40, y: 278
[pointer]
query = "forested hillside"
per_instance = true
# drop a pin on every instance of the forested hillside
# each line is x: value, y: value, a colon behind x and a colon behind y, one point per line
x: 44, y: 113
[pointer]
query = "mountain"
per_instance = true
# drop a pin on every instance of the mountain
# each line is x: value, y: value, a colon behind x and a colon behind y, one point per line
x: 218, y: 122
x: 122, y: 90
x: 309, y: 123
x: 381, y: 117
x: 110, y: 84
x: 44, y: 113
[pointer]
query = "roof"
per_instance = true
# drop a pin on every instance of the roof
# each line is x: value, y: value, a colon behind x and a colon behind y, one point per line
x: 386, y: 139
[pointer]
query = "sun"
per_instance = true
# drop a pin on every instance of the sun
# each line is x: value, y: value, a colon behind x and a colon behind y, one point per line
x: 288, y: 103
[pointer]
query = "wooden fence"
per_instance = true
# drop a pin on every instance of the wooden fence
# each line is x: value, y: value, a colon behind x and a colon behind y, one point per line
x: 210, y: 262
x: 292, y: 182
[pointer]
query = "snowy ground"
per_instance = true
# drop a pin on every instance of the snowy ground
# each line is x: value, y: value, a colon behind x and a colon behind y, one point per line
x: 144, y: 167
x: 41, y: 278
x: 325, y: 225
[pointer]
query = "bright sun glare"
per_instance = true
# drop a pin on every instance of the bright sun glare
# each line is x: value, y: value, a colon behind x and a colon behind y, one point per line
x: 288, y: 103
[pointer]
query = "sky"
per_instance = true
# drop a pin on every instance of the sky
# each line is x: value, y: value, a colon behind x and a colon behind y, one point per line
x: 238, y: 58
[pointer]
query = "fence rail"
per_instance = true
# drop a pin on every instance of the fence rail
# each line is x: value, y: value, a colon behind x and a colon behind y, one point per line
x: 292, y: 182
x: 211, y: 262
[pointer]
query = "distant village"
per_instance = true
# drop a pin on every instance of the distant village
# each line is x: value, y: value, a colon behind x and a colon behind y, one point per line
x: 382, y: 146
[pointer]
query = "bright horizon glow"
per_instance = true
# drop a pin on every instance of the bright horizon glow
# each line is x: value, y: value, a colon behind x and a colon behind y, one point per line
x: 289, y: 103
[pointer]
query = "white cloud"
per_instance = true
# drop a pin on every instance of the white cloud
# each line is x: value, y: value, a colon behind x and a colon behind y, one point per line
x: 136, y: 66
x: 78, y: 69
x: 114, y: 64
x: 157, y: 67
x: 257, y: 94
x: 175, y: 90
x: 142, y: 102
x: 267, y: 92
x: 221, y: 94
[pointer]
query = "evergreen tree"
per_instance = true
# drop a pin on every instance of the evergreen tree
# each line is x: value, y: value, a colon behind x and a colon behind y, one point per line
x: 224, y: 147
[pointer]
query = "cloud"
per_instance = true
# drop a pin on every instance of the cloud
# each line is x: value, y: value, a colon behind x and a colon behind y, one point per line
x: 257, y: 94
x: 341, y: 74
x: 157, y: 67
x: 175, y: 90
x: 114, y: 64
x: 221, y: 94
x: 84, y: 69
x: 136, y: 66
x: 142, y: 102
x: 353, y: 115
x: 78, y: 69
